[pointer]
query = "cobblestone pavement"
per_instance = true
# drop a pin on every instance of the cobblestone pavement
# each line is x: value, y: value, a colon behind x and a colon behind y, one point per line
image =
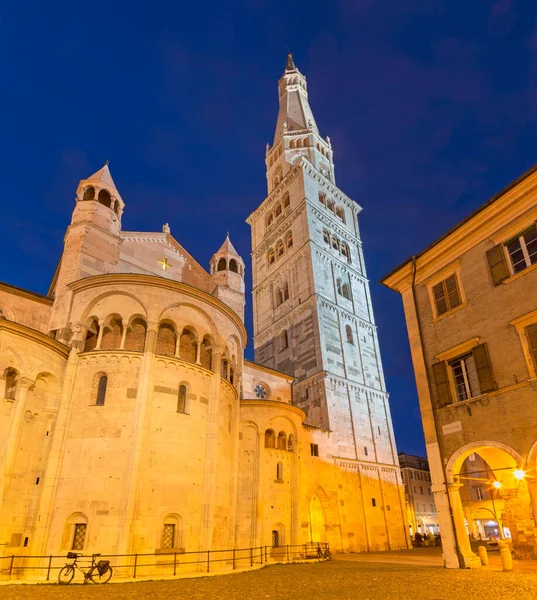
x: 341, y: 580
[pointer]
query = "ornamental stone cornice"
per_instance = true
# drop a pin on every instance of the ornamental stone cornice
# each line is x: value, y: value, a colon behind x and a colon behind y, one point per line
x: 34, y: 335
x: 284, y: 226
x: 339, y: 263
x: 332, y: 307
x: 330, y: 221
x: 330, y: 187
x: 355, y: 464
x: 153, y: 281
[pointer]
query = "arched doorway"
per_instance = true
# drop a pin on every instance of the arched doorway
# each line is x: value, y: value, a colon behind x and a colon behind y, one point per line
x: 317, y: 520
x: 490, y: 477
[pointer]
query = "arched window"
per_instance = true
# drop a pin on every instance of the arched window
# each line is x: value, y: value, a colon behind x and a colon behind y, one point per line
x: 279, y: 297
x: 279, y: 471
x: 289, y: 239
x: 79, y: 536
x: 286, y: 201
x: 92, y: 336
x: 271, y: 257
x: 291, y: 443
x: 270, y: 218
x: 346, y: 291
x: 112, y: 334
x: 172, y: 533
x: 292, y: 144
x: 116, y: 207
x: 340, y: 213
x: 166, y: 340
x: 271, y: 162
x: 365, y: 450
x: 285, y: 291
x: 326, y: 236
x: 280, y: 150
x: 135, y: 337
x: 330, y: 205
x: 348, y: 334
x: 338, y: 285
x: 278, y: 210
x: 282, y: 441
x: 11, y: 383
x: 188, y: 346
x: 306, y: 142
x: 270, y: 439
x: 233, y: 266
x: 284, y: 340
x: 299, y: 143
x: 335, y: 243
x: 89, y: 194
x: 222, y: 265
x: 322, y: 198
x: 345, y: 250
x: 181, y: 399
x: 104, y: 198
x: 280, y: 248
x: 101, y: 390
x: 206, y: 353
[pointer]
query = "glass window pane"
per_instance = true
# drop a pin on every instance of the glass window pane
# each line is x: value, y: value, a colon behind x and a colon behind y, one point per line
x: 440, y: 299
x: 516, y: 256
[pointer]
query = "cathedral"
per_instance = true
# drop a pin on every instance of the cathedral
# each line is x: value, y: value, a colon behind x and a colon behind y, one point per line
x: 131, y: 421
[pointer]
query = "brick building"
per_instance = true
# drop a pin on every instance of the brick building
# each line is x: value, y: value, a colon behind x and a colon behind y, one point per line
x: 471, y: 313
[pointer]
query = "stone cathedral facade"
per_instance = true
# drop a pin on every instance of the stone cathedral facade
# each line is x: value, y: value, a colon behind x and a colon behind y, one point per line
x: 130, y: 420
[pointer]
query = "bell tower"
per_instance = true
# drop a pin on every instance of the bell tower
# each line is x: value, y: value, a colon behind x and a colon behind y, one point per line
x: 312, y: 306
x: 227, y: 277
x: 91, y: 243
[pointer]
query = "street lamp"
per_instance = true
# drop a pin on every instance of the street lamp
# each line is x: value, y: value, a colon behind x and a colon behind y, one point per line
x: 519, y: 474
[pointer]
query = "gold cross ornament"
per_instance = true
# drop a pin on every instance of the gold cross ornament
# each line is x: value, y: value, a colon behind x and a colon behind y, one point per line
x: 165, y: 264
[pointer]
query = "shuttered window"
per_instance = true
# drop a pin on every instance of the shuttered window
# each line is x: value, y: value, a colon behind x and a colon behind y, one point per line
x: 531, y: 333
x: 499, y: 271
x: 522, y: 250
x: 446, y: 295
x: 464, y: 375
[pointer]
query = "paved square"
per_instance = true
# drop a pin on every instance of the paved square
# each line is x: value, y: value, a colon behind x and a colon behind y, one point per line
x: 346, y: 579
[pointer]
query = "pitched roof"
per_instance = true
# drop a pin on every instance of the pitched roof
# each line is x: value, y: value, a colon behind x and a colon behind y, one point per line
x: 103, y: 175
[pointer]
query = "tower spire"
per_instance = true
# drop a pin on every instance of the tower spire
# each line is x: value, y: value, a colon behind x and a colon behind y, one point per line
x: 290, y: 65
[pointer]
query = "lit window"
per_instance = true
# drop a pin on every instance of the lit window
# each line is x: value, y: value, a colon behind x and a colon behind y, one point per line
x: 523, y: 250
x: 446, y: 295
x: 260, y: 391
x: 465, y: 377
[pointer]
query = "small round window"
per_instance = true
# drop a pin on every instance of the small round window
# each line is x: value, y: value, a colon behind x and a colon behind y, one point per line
x: 260, y: 391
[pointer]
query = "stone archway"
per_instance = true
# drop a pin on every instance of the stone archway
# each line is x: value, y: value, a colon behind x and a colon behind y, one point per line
x: 317, y: 519
x: 504, y: 492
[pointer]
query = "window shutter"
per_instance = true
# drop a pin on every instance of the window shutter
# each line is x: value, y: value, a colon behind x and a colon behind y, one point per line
x: 497, y: 264
x: 531, y: 332
x: 483, y: 368
x: 442, y: 384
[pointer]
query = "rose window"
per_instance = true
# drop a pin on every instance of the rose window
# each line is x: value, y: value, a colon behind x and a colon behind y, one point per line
x: 260, y: 391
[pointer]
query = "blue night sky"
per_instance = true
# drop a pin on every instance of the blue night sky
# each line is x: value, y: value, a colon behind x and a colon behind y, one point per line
x: 431, y: 108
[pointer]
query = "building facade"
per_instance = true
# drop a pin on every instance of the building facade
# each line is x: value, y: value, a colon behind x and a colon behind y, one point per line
x: 131, y: 421
x: 421, y: 510
x: 471, y: 313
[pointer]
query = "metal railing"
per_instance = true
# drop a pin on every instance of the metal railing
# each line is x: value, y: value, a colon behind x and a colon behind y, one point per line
x: 164, y: 562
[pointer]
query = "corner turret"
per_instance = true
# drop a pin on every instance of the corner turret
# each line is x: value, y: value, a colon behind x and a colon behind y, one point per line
x: 227, y: 277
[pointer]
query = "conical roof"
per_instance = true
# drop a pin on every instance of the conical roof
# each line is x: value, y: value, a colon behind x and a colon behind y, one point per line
x: 103, y: 175
x: 227, y: 247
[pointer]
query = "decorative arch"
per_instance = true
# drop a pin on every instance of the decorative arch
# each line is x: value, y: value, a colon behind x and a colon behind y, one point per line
x: 270, y: 438
x: 221, y: 265
x: 171, y: 534
x: 92, y: 334
x: 11, y: 377
x: 104, y: 198
x: 89, y: 194
x: 282, y: 440
x: 233, y: 267
x: 75, y: 532
x: 136, y: 334
x: 495, y: 454
x: 98, y: 305
x: 188, y: 344
x: 112, y: 333
x: 166, y: 338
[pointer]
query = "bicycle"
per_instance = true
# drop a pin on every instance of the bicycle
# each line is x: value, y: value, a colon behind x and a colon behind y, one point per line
x: 97, y: 572
x: 324, y: 553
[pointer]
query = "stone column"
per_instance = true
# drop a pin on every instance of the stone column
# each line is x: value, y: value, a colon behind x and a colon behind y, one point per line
x: 198, y: 353
x: 469, y: 558
x: 211, y: 453
x: 100, y: 335
x: 127, y: 541
x: 177, y: 346
x: 125, y: 324
x: 13, y: 433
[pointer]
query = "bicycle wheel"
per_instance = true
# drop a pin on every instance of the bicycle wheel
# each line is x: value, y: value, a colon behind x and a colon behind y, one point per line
x: 96, y: 577
x: 66, y: 574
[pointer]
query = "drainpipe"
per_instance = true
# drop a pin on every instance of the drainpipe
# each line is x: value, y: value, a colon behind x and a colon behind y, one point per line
x: 437, y: 430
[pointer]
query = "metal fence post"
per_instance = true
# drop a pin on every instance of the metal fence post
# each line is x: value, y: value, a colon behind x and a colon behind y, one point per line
x: 135, y: 565
x: 266, y: 560
x: 233, y: 558
x: 49, y: 565
x: 208, y: 560
x: 251, y: 557
x: 287, y: 547
x: 175, y: 563
x: 11, y: 564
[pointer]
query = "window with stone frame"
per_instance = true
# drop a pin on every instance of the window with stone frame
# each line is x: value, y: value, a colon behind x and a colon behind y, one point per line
x: 181, y: 399
x: 168, y: 536
x: 326, y: 236
x: 348, y: 334
x: 101, y: 390
x: 79, y: 536
x: 271, y: 257
x: 464, y: 377
x: 284, y: 340
x: 446, y: 295
x: 522, y: 250
x: 314, y: 449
